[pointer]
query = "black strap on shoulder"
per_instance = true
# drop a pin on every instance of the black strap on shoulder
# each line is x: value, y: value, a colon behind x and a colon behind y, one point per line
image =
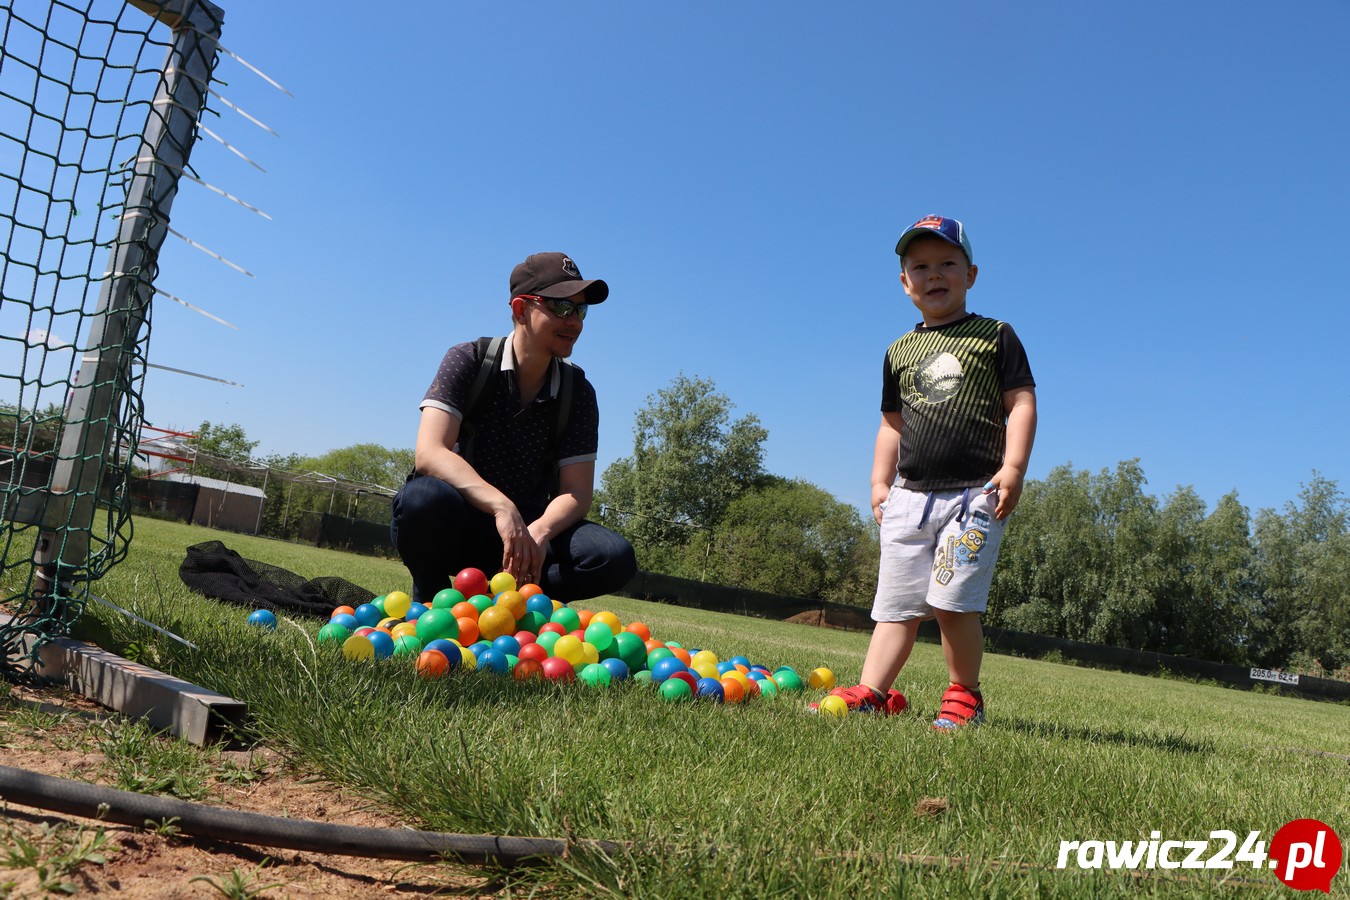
x: 489, y: 352
x: 568, y: 375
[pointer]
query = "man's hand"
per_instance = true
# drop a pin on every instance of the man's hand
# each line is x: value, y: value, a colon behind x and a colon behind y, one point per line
x: 521, y: 555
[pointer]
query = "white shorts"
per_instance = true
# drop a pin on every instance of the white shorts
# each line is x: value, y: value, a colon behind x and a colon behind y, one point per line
x: 937, y: 552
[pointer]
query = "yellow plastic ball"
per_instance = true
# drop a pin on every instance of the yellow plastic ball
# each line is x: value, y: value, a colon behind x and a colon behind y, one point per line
x: 609, y: 619
x: 703, y: 656
x: 494, y: 622
x: 358, y: 648
x: 821, y: 679
x: 570, y: 648
x: 705, y: 669
x: 502, y: 581
x: 833, y: 706
x: 397, y: 604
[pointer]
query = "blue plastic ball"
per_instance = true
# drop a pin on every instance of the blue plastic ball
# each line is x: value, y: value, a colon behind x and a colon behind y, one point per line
x: 725, y: 666
x: 263, y: 618
x: 477, y: 648
x: 740, y: 660
x: 507, y: 644
x: 346, y: 620
x: 415, y: 610
x: 447, y: 647
x: 369, y: 614
x: 383, y: 644
x: 618, y: 669
x: 493, y: 660
x: 665, y: 668
x: 711, y: 689
x: 540, y: 604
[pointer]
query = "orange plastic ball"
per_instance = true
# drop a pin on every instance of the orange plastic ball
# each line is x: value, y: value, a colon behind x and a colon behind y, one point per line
x: 432, y: 664
x: 468, y: 629
x: 732, y: 692
x: 640, y: 630
x: 464, y: 608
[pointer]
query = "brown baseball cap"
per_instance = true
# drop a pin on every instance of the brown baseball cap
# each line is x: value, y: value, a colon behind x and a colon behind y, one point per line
x: 556, y: 276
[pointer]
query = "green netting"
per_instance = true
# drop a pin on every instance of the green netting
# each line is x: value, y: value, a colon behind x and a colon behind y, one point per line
x: 99, y: 106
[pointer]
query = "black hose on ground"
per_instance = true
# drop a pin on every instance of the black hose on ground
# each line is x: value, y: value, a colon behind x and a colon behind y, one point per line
x: 232, y: 826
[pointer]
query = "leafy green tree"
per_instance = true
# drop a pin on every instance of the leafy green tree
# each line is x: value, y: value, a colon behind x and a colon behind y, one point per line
x: 366, y: 463
x: 790, y: 537
x: 689, y: 462
x: 1218, y: 623
x: 225, y: 442
x: 1051, y: 569
x: 1303, y: 579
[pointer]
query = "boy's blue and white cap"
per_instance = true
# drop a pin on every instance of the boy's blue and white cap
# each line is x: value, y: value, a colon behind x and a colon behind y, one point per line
x: 950, y: 230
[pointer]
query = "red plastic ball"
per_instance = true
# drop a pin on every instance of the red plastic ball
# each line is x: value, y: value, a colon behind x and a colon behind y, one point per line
x: 536, y: 652
x: 528, y: 668
x: 558, y: 669
x: 472, y: 581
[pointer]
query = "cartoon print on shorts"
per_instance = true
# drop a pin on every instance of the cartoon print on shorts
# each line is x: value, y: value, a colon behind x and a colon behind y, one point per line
x: 962, y: 551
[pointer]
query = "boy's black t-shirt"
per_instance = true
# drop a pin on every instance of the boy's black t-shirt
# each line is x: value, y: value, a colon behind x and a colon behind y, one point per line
x: 947, y: 383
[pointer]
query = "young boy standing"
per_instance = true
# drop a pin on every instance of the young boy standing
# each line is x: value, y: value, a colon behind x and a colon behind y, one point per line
x: 958, y: 418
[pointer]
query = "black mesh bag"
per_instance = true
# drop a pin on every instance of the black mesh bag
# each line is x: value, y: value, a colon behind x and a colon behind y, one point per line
x: 218, y: 572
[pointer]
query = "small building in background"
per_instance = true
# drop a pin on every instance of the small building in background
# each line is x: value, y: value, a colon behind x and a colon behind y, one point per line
x: 224, y: 504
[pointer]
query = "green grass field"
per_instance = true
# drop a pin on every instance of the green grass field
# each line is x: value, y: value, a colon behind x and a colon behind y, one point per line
x: 760, y: 799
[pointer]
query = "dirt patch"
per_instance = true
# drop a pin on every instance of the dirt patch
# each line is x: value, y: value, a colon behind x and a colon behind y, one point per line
x: 847, y: 619
x: 139, y: 864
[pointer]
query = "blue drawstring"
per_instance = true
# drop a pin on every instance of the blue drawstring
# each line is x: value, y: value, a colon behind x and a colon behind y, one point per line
x: 928, y: 507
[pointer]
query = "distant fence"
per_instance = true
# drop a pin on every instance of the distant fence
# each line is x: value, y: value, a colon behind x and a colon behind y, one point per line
x: 341, y: 533
x: 701, y: 595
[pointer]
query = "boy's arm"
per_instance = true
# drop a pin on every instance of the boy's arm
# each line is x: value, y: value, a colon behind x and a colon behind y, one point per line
x: 884, y: 460
x: 1020, y: 404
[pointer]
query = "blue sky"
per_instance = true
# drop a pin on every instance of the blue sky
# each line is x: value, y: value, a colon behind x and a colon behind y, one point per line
x: 1156, y: 195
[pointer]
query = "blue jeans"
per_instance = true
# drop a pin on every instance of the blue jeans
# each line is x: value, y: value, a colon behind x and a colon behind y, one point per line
x: 438, y: 533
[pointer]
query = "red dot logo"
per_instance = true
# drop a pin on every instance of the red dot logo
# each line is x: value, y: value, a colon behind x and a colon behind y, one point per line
x: 1305, y: 854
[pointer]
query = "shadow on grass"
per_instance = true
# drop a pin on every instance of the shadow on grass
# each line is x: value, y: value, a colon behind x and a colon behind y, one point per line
x: 1167, y: 743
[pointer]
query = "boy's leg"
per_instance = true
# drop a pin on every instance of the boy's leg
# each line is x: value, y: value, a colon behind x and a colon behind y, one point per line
x: 962, y: 646
x: 907, y: 540
x: 963, y: 570
x: 585, y: 561
x: 887, y: 653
